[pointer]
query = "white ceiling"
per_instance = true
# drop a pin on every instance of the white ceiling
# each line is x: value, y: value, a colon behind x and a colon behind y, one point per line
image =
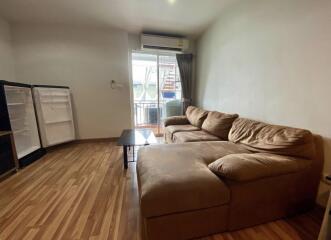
x: 187, y: 17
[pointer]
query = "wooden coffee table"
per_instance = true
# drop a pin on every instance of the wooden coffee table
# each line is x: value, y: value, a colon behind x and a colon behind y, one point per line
x: 135, y: 137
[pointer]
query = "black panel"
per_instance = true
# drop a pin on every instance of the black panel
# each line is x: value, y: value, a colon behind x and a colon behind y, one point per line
x: 16, y: 84
x: 6, y: 155
x: 4, y: 116
x: 50, y: 86
x: 30, y: 158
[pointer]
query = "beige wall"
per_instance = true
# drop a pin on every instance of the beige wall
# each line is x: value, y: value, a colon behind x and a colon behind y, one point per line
x: 7, y: 71
x: 86, y: 60
x: 270, y: 61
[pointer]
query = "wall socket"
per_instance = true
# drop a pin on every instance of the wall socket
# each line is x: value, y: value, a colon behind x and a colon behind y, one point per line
x: 115, y: 85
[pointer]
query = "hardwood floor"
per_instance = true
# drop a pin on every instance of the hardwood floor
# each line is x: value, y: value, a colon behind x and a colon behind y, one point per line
x: 80, y: 191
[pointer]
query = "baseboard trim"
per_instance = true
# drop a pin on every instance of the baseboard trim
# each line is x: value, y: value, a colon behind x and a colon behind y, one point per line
x: 78, y: 141
x: 92, y: 140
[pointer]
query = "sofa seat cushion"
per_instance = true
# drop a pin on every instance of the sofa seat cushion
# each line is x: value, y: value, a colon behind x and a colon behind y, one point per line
x: 181, y: 128
x: 194, y: 136
x: 169, y: 131
x: 219, y: 124
x: 175, y: 178
x: 176, y: 120
x: 262, y: 137
x: 196, y: 116
x: 248, y: 167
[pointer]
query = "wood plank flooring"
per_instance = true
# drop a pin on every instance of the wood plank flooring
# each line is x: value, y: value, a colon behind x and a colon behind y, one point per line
x: 80, y: 191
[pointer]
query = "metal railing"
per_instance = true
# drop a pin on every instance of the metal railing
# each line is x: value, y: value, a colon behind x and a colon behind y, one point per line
x: 146, y: 113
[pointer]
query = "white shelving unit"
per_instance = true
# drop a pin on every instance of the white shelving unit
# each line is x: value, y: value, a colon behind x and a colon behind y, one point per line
x: 22, y: 119
x: 55, y: 118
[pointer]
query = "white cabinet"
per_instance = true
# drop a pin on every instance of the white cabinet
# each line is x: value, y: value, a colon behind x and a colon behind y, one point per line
x: 22, y: 119
x: 54, y: 111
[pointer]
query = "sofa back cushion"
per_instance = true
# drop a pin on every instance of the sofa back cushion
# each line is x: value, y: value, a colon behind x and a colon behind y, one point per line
x: 219, y: 124
x: 262, y: 137
x: 196, y: 116
x: 253, y: 166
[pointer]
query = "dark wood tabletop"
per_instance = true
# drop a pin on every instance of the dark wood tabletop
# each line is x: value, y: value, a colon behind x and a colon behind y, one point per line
x: 136, y: 137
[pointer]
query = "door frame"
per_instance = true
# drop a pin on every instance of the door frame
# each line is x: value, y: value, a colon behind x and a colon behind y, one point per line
x: 158, y: 53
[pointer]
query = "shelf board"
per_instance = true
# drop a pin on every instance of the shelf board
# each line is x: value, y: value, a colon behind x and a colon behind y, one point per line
x: 59, y: 121
x: 54, y: 95
x: 27, y: 151
x: 14, y: 89
x: 21, y: 130
x: 50, y: 102
x: 68, y: 139
x: 16, y: 119
x: 15, y: 104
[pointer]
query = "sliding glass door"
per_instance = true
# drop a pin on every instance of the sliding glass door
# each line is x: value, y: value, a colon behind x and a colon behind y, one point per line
x: 156, y: 89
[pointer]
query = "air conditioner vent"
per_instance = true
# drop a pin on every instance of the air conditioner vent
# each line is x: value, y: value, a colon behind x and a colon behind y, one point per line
x: 164, y: 43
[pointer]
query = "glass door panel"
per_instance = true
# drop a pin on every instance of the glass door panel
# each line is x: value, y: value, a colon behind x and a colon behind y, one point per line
x: 156, y: 89
x: 145, y: 93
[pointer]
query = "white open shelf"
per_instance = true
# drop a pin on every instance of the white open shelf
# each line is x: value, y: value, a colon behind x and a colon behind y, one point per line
x: 58, y: 121
x: 55, y: 116
x: 15, y: 104
x: 22, y: 119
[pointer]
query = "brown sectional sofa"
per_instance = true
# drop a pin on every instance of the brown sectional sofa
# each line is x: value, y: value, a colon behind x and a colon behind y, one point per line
x: 260, y: 173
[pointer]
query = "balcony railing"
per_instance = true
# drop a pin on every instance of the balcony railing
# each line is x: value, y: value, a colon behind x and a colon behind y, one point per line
x: 146, y: 112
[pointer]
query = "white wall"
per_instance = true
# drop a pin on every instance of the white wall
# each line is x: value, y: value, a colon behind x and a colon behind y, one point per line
x: 7, y: 71
x: 270, y: 61
x: 86, y: 60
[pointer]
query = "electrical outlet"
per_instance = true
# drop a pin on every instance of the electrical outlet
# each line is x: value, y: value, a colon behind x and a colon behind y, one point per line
x: 115, y: 85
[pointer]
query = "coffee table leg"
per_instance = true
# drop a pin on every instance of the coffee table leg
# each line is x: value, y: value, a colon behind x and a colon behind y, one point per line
x: 125, y: 155
x: 133, y: 152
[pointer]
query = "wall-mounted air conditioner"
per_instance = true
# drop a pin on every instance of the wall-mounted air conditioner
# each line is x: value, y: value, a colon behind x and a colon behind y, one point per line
x: 149, y: 41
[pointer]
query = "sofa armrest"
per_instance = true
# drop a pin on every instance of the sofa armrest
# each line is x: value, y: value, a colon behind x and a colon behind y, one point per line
x: 176, y: 120
x: 249, y: 167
